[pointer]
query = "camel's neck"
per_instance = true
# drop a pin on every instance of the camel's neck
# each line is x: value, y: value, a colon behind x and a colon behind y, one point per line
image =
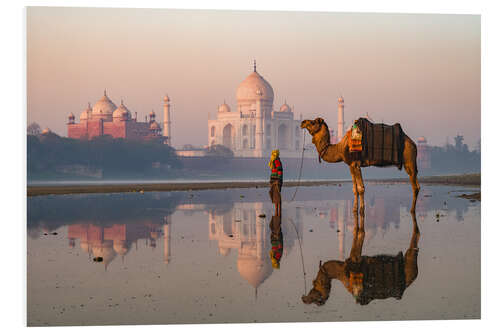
x: 328, y: 152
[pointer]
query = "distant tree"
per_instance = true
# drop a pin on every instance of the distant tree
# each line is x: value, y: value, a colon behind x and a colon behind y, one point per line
x: 33, y: 129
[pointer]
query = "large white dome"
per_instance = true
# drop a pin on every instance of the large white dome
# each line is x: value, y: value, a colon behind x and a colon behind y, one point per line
x: 253, y: 87
x: 254, y: 270
x: 104, y: 106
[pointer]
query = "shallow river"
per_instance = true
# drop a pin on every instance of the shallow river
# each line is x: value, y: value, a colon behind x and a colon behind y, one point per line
x: 205, y: 256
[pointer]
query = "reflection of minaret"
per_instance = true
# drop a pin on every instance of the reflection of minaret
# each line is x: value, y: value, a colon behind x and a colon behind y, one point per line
x: 166, y: 239
x: 259, y: 237
x: 341, y: 225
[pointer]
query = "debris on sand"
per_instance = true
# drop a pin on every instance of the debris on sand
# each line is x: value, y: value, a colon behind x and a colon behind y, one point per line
x: 310, y: 230
x: 54, y: 233
x: 98, y: 259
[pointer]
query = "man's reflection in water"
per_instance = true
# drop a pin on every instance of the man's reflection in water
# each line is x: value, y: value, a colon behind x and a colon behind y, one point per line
x: 276, y: 251
x: 368, y: 278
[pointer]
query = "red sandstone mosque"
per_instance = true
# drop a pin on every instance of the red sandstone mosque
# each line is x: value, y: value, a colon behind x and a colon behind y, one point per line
x: 105, y: 118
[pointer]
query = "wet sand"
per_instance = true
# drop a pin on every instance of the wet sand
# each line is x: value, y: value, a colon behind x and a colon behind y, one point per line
x: 471, y: 179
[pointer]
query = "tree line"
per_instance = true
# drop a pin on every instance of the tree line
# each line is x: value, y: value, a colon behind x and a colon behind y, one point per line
x: 48, y: 154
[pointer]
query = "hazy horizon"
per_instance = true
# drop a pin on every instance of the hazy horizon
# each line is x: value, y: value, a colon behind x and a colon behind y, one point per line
x: 421, y: 70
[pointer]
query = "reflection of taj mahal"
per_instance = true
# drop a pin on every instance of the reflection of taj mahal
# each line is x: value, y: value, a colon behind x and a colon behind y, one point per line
x: 254, y: 128
x: 242, y: 230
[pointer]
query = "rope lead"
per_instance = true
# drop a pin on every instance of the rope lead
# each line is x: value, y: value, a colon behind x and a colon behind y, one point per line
x: 301, y: 164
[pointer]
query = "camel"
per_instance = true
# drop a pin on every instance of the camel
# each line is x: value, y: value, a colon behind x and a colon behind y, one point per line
x: 334, y: 153
x: 368, y: 277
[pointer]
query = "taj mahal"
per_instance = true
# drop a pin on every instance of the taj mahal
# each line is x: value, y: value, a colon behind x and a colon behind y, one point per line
x: 254, y: 128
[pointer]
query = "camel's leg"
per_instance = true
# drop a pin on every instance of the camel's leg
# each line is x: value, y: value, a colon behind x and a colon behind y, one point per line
x: 412, y: 172
x: 358, y: 238
x: 411, y: 255
x: 354, y: 190
x: 410, y: 164
x: 360, y: 187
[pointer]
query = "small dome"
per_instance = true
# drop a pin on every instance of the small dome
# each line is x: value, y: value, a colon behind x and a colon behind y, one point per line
x: 86, y: 113
x: 152, y: 114
x: 422, y: 140
x: 71, y: 116
x: 104, y: 106
x: 166, y: 98
x: 224, y: 251
x: 46, y: 131
x: 154, y: 126
x: 341, y: 99
x: 224, y: 108
x: 253, y: 87
x: 122, y: 112
x: 121, y: 247
x: 285, y: 108
x: 104, y: 250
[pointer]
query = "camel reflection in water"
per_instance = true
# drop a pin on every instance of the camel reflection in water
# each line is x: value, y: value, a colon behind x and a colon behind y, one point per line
x: 368, y: 277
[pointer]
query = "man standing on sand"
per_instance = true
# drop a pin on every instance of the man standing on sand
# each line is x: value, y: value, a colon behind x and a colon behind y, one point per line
x: 276, y: 180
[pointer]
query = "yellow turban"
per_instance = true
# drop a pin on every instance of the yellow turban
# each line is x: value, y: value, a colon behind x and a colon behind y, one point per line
x: 274, y: 155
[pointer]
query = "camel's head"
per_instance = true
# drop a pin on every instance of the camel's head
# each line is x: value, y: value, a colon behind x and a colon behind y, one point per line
x: 321, y: 288
x: 312, y: 126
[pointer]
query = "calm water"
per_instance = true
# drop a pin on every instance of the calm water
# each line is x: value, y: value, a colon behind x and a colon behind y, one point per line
x: 204, y: 256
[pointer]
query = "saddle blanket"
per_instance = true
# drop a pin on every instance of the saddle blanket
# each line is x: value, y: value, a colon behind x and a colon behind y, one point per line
x: 380, y: 143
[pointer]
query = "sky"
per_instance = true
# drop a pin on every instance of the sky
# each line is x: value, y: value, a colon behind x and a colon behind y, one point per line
x: 421, y: 70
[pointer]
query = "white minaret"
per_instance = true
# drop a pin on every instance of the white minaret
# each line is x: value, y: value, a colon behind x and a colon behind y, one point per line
x: 166, y: 120
x: 341, y: 124
x: 259, y: 132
